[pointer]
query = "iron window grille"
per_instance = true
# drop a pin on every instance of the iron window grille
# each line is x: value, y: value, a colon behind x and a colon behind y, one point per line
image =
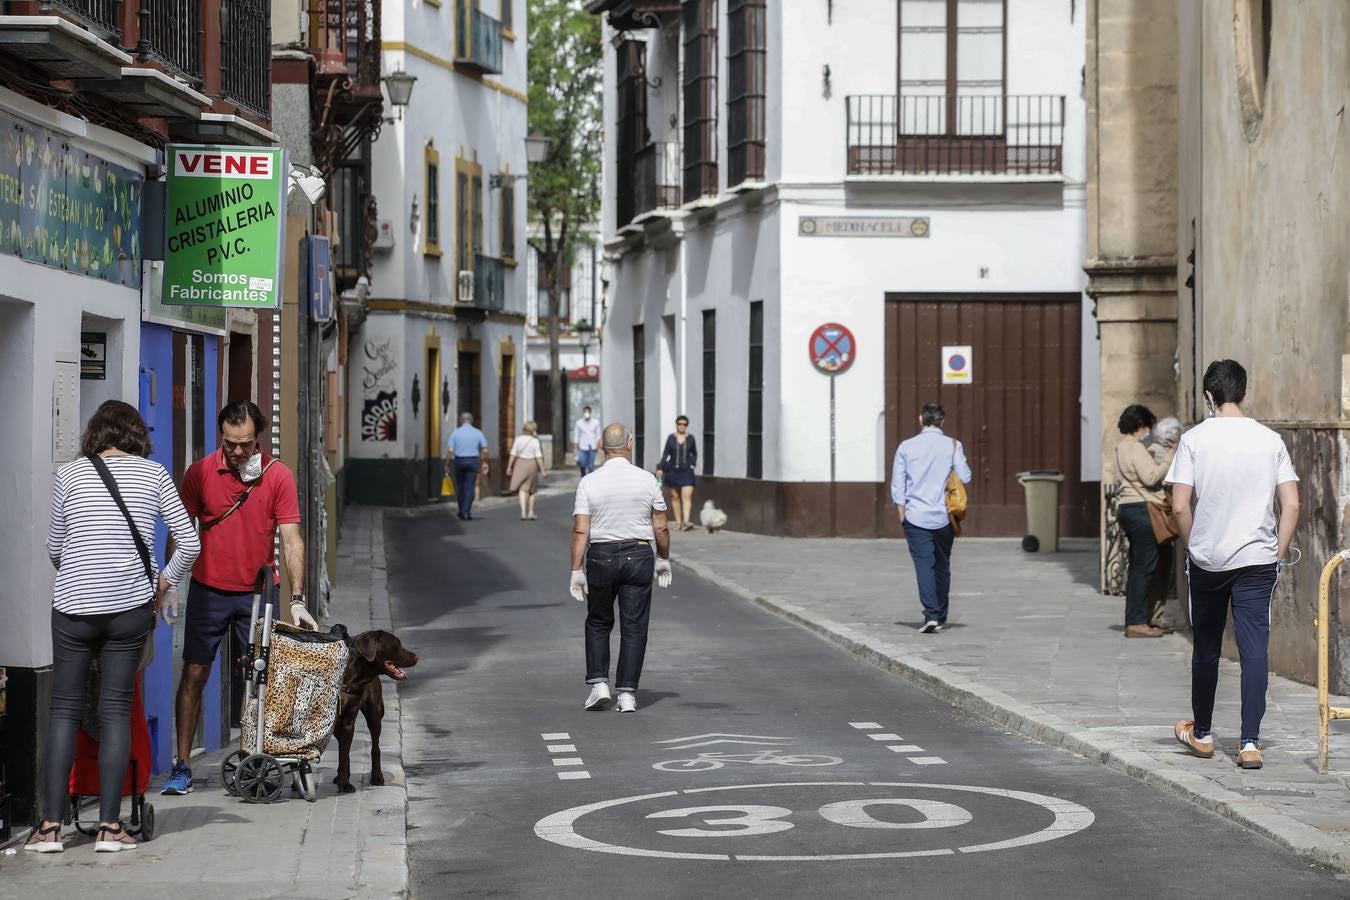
x: 700, y: 99
x: 246, y: 54
x: 632, y: 125
x: 709, y: 390
x: 171, y: 32
x: 639, y: 397
x: 747, y: 50
x: 101, y: 15
x: 754, y: 424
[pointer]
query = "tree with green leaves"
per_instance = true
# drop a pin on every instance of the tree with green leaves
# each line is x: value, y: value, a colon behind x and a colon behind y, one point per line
x: 565, y: 72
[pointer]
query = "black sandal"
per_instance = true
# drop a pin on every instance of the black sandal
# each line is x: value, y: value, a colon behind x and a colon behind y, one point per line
x: 38, y: 843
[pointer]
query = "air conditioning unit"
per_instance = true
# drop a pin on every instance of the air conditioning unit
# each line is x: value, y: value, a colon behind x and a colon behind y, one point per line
x: 465, y: 294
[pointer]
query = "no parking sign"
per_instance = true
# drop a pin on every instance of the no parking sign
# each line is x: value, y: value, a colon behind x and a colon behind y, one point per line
x: 958, y: 365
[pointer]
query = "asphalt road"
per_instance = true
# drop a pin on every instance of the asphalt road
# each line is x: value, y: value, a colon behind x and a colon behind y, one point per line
x: 762, y: 762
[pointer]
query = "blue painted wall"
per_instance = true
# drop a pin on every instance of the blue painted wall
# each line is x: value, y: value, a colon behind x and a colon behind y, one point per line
x: 156, y: 405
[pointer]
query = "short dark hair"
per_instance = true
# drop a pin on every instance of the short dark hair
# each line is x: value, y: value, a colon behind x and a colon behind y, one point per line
x: 932, y: 414
x: 1136, y: 416
x: 118, y: 426
x: 681, y: 418
x: 1226, y: 381
x: 587, y: 409
x: 239, y: 411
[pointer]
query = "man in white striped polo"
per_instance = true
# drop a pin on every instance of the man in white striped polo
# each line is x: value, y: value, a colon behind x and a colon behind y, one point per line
x: 619, y: 512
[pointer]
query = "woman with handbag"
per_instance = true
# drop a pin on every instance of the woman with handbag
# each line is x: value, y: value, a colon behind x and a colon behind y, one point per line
x: 104, y: 508
x: 525, y: 468
x: 1144, y: 512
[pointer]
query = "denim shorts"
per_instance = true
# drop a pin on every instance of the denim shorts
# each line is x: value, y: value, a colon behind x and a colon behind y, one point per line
x: 210, y: 614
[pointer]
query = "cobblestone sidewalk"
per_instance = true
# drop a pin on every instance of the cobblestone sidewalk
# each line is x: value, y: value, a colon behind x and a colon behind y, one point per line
x: 1033, y: 646
x: 209, y: 845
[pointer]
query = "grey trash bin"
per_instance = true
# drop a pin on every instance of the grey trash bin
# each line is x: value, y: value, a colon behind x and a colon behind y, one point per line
x: 1042, y: 490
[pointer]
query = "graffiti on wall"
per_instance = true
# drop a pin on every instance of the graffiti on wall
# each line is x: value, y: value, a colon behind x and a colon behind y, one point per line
x: 379, y: 397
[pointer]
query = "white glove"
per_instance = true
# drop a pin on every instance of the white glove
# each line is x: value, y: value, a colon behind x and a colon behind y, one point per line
x: 663, y: 573
x: 302, y: 617
x: 579, y: 588
x: 166, y: 601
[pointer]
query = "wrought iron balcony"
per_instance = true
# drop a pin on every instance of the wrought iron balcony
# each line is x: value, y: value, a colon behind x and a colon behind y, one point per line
x: 657, y: 178
x: 489, y: 283
x: 246, y: 54
x: 345, y: 40
x: 478, y: 39
x: 171, y: 32
x: 101, y: 14
x: 955, y: 135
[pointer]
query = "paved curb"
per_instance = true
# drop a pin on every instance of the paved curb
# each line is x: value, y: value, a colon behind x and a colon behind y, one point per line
x: 974, y: 698
x: 383, y: 866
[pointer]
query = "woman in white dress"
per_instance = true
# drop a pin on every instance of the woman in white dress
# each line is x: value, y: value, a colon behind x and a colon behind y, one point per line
x: 525, y: 468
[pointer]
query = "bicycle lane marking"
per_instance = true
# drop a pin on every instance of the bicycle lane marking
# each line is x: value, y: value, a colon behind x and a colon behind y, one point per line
x: 750, y: 749
x: 889, y: 738
x: 567, y: 767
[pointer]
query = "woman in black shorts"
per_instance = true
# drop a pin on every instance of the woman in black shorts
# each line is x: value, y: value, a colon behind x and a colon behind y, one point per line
x: 676, y: 471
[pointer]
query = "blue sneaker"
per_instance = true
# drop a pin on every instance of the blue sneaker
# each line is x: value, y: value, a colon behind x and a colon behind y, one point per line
x: 180, y: 779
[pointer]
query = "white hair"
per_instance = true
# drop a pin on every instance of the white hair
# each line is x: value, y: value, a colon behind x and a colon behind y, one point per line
x: 1168, y: 430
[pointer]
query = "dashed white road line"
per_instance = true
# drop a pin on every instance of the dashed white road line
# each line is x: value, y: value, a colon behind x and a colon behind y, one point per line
x: 872, y: 729
x: 568, y: 766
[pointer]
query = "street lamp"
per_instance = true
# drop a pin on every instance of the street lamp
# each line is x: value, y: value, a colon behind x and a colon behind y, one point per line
x: 536, y: 147
x: 399, y: 84
x: 585, y: 331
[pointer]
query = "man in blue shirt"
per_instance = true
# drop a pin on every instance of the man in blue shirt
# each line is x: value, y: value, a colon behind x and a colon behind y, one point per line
x: 919, y: 491
x: 467, y: 454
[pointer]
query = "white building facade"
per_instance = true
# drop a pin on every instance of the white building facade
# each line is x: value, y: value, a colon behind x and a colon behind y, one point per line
x: 911, y: 170
x: 446, y: 330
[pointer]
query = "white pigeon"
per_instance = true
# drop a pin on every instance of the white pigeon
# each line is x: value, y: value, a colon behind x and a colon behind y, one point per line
x: 712, y: 518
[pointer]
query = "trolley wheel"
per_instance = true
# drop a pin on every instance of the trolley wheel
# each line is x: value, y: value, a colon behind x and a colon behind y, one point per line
x: 260, y: 778
x: 229, y: 772
x: 148, y: 822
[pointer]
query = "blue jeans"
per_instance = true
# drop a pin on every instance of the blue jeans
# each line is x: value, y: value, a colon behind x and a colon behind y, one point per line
x: 1138, y: 528
x: 931, y: 550
x: 466, y: 477
x: 619, y: 573
x: 585, y: 460
x: 1248, y: 590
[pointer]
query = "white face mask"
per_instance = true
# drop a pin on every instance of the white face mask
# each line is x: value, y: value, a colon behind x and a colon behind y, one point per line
x: 251, y: 470
x: 586, y: 415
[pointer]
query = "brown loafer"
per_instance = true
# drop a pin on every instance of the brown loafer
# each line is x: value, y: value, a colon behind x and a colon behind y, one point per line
x: 1143, y: 631
x: 1185, y: 733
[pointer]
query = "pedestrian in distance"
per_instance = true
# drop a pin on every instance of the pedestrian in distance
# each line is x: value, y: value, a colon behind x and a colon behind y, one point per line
x: 1141, y: 485
x: 676, y: 472
x: 919, y: 492
x: 107, y: 595
x: 1234, y: 468
x: 466, y: 457
x: 618, y: 516
x: 586, y: 441
x: 241, y: 498
x: 525, y: 468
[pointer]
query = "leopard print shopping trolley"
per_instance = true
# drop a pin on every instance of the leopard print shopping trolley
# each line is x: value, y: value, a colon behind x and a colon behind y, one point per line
x: 294, y: 680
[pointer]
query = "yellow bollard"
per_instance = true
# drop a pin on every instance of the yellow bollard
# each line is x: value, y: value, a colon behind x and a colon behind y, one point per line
x: 1325, y: 711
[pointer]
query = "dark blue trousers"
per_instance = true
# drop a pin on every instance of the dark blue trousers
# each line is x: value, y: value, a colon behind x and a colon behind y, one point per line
x: 931, y: 550
x: 1248, y: 591
x: 466, y: 476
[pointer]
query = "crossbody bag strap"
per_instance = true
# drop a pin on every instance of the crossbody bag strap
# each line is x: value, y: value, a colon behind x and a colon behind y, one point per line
x: 207, y: 526
x: 102, y: 468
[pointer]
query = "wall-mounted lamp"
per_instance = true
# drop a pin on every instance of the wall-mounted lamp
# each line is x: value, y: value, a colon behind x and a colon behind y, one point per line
x: 413, y: 216
x: 445, y: 396
x: 399, y: 84
x: 825, y: 81
x: 416, y: 395
x: 536, y: 147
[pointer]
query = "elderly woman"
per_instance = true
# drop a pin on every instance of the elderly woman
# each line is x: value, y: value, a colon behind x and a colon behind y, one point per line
x: 104, y: 508
x: 1141, y: 479
x: 525, y: 468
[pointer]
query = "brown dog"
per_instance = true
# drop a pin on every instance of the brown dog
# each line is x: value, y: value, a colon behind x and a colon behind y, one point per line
x: 374, y: 653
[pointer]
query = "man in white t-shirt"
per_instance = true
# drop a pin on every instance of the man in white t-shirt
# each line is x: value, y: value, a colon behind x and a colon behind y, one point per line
x: 585, y: 441
x: 1234, y: 467
x: 619, y: 514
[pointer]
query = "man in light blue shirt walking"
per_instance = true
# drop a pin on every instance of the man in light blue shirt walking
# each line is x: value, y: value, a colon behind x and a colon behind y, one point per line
x: 919, y: 491
x: 467, y: 454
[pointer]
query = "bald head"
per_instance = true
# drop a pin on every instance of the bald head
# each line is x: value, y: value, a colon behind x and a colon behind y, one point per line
x: 616, y: 439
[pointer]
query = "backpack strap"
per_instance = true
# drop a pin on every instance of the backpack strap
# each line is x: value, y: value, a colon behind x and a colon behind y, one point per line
x: 102, y: 468
x: 207, y: 526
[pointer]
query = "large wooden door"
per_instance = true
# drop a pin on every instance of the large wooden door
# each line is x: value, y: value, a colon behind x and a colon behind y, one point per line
x: 1021, y: 411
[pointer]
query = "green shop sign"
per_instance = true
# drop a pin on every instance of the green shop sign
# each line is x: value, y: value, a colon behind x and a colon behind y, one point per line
x: 226, y: 211
x: 68, y: 209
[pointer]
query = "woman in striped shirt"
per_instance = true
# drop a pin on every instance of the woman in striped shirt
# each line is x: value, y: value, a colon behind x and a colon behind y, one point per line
x: 105, y: 603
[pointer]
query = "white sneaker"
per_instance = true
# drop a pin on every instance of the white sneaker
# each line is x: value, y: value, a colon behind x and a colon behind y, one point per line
x: 627, y: 702
x: 930, y: 627
x: 599, y: 697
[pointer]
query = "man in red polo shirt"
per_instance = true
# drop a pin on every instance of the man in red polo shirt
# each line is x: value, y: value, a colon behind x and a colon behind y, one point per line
x: 240, y: 496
